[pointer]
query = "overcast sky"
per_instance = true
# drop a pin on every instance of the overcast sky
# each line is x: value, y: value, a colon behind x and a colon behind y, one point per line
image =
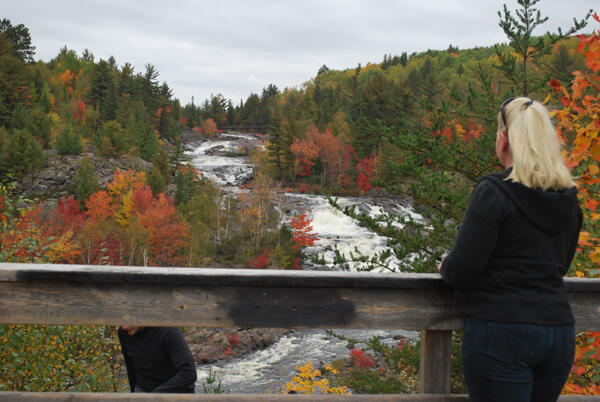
x: 238, y: 47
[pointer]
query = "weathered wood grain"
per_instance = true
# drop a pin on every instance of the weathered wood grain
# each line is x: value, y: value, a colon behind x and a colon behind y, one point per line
x: 63, y: 294
x: 125, y: 397
x: 151, y: 305
x: 434, y: 369
x: 50, y: 396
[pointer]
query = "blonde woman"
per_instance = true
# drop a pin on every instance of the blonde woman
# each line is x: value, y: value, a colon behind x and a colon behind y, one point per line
x: 516, y: 241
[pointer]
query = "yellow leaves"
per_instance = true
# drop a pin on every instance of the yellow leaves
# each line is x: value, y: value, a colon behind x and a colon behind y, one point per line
x: 309, y: 380
x: 595, y: 256
x: 123, y: 213
x: 64, y: 250
x: 331, y: 369
x: 584, y: 239
x: 459, y: 129
x: 124, y: 182
x: 593, y: 169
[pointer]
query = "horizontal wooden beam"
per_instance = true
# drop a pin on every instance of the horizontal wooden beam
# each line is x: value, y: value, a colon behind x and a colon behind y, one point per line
x: 69, y: 294
x: 122, y: 397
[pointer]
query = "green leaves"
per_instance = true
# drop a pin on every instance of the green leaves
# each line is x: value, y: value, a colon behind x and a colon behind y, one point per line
x: 59, y: 358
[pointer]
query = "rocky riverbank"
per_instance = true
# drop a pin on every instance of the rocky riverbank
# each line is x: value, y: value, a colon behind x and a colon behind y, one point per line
x: 209, y: 345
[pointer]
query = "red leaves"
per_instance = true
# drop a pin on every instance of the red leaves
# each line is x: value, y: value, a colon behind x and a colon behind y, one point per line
x: 366, y: 172
x: 305, y: 153
x: 302, y: 235
x: 233, y: 339
x: 66, y: 216
x: 260, y: 262
x: 360, y: 358
x: 209, y: 127
x: 167, y: 234
x: 79, y: 110
x: 591, y: 204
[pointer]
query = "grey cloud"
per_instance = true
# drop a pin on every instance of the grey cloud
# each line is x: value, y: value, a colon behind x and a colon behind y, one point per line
x: 238, y: 47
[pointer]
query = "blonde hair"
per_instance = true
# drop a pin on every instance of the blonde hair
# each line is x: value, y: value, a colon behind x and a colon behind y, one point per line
x: 535, y: 146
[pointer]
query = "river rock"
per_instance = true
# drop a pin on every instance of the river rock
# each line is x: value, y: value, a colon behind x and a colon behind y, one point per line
x: 209, y: 345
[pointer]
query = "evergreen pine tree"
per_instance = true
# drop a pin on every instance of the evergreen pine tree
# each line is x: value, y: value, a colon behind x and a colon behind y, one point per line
x: 431, y: 88
x: 68, y: 142
x: 520, y: 34
x: 157, y: 181
x: 562, y: 65
x: 39, y: 125
x: 22, y: 154
x: 101, y: 93
x: 86, y: 180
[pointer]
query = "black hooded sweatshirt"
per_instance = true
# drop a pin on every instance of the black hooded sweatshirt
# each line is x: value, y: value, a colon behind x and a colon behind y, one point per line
x: 513, y: 247
x: 158, y: 360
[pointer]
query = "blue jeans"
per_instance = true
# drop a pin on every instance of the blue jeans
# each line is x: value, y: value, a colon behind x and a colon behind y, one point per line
x: 507, y: 362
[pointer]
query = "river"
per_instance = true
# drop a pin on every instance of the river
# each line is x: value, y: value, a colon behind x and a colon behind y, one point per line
x: 269, y: 369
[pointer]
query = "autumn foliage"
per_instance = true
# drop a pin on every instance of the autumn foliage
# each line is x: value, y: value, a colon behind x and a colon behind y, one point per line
x: 302, y: 234
x: 360, y: 358
x: 123, y: 225
x: 261, y: 261
x: 578, y: 124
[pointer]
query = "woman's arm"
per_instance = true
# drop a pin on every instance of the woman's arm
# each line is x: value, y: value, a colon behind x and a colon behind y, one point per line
x: 477, y: 237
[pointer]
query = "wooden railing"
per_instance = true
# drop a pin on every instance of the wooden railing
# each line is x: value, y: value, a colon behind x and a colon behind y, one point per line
x: 204, y: 297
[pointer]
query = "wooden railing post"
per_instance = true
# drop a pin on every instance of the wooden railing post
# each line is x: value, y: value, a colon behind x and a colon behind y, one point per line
x: 434, y: 370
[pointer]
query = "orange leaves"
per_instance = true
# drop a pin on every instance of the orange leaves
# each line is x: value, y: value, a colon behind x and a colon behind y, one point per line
x: 578, y: 124
x: 583, y: 378
x: 305, y: 152
x: 455, y: 131
x: 125, y: 181
x: 591, y: 204
x: 99, y: 207
x: 591, y: 46
x: 167, y: 233
x: 209, y: 127
x: 579, y: 84
x: 132, y: 226
x: 302, y: 234
x: 67, y: 79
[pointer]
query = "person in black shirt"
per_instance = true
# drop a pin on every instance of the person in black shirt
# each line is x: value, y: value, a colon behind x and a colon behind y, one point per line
x: 516, y: 241
x: 157, y: 359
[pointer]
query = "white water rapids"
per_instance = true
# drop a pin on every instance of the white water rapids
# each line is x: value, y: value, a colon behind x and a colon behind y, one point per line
x: 268, y: 370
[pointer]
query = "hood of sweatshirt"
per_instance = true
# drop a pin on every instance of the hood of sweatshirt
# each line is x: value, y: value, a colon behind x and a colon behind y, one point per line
x: 550, y: 211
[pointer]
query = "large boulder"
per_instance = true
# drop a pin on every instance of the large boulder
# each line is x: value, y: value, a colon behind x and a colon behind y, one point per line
x: 55, y: 179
